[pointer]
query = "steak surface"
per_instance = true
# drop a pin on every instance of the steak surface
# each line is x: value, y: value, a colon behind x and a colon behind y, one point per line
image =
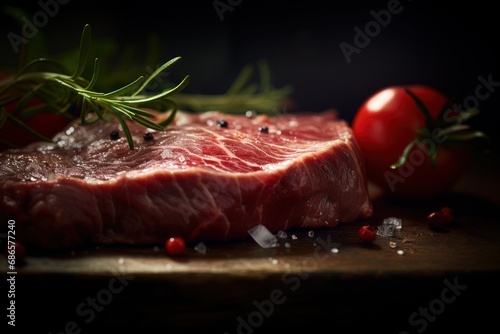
x: 208, y: 176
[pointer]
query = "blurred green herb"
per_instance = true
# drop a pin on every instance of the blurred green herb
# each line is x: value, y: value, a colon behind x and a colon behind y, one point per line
x: 243, y: 95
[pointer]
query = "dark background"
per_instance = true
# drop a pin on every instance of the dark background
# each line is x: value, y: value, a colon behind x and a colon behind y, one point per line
x: 444, y: 45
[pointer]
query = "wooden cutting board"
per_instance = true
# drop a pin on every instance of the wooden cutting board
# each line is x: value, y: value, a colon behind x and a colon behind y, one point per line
x: 417, y: 280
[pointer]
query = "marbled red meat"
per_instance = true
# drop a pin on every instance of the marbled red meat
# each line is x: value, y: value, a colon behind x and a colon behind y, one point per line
x: 196, y: 179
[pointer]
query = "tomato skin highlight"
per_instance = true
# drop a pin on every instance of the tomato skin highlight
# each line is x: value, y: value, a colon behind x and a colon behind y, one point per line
x: 386, y: 123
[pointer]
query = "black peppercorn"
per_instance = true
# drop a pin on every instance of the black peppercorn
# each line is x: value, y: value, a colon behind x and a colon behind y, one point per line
x: 222, y: 124
x: 114, y: 135
x: 263, y: 129
x: 148, y: 136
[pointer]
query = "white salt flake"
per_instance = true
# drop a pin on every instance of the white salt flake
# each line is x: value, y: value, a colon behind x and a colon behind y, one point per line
x: 294, y: 237
x: 165, y: 154
x: 400, y: 252
x: 310, y: 233
x: 263, y: 236
x: 250, y: 113
x: 70, y: 131
x: 334, y: 250
x: 282, y: 234
x: 200, y: 248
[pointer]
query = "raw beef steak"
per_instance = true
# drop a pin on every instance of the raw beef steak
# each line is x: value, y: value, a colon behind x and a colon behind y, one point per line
x: 208, y: 176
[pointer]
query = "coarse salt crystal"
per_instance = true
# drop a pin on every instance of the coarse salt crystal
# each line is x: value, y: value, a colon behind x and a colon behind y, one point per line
x: 396, y: 222
x: 385, y: 230
x: 200, y: 248
x: 263, y: 236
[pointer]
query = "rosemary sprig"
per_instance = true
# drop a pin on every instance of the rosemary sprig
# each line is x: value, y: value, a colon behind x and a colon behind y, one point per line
x: 63, y: 91
x: 60, y: 89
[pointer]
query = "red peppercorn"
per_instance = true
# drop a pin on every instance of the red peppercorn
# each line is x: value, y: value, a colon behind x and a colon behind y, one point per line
x: 367, y: 234
x: 175, y: 246
x: 438, y: 219
x: 435, y: 220
x: 447, y: 215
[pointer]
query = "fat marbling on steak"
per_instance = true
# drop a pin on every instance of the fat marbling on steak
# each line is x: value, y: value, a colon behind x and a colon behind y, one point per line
x: 201, y: 178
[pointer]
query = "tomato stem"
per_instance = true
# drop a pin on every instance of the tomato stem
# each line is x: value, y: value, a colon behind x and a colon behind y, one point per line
x: 406, y: 152
x: 421, y: 106
x: 452, y: 131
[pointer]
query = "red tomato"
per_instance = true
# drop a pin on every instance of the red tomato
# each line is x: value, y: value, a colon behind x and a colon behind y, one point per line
x: 46, y: 123
x: 387, y: 122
